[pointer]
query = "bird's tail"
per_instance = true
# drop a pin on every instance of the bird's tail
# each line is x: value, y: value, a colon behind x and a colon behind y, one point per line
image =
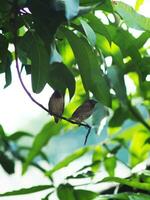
x: 56, y: 119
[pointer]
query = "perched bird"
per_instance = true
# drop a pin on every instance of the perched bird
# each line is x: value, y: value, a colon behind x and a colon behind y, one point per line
x: 84, y: 111
x: 56, y: 105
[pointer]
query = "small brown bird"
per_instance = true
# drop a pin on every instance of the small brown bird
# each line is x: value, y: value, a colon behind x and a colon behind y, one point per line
x: 84, y: 111
x: 56, y: 105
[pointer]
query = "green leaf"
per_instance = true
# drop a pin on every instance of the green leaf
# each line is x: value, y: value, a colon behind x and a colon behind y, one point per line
x: 81, y: 194
x: 60, y: 78
x: 117, y: 81
x: 65, y: 192
x: 77, y: 154
x: 17, y: 135
x: 55, y: 56
x: 92, y: 77
x: 119, y: 116
x: 97, y: 158
x: 46, y: 19
x: 119, y: 37
x: 2, y: 133
x: 7, y: 163
x: 124, y: 196
x: 5, y: 60
x: 39, y: 59
x: 98, y: 26
x: 106, y: 6
x: 89, y: 32
x: 138, y: 4
x: 128, y: 182
x: 8, y: 76
x: 131, y: 17
x: 27, y: 190
x: 42, y: 138
x: 66, y: 52
x: 142, y: 39
x: 110, y: 164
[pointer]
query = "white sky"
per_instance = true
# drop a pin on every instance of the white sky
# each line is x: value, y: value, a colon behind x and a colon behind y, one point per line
x: 19, y: 113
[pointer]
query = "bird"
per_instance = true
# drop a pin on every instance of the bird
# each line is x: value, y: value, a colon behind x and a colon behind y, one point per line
x: 56, y: 105
x: 84, y: 111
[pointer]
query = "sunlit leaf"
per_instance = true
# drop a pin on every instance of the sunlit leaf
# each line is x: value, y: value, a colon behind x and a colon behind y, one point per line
x: 27, y: 190
x: 128, y: 182
x: 92, y: 76
x: 89, y: 32
x: 131, y: 17
x: 42, y: 138
x: 138, y: 4
x: 60, y: 78
x: 77, y: 154
x: 110, y: 164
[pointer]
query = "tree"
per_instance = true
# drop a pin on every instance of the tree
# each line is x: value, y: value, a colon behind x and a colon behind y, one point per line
x: 66, y: 45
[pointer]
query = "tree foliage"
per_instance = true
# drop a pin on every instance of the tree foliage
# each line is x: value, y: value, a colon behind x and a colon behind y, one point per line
x: 67, y: 45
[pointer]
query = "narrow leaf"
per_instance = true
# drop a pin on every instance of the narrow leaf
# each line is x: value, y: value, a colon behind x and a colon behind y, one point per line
x: 128, y: 182
x: 138, y: 4
x: 48, y: 131
x: 39, y: 59
x: 77, y: 154
x: 27, y: 190
x: 110, y: 164
x: 65, y: 192
x: 60, y: 78
x: 89, y: 32
x: 131, y: 17
x: 92, y: 77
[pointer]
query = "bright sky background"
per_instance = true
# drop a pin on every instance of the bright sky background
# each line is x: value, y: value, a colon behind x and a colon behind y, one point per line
x: 18, y: 112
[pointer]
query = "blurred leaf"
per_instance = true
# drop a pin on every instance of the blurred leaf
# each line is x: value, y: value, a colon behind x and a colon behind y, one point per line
x: 67, y: 192
x: 97, y: 157
x: 61, y: 78
x: 128, y: 182
x: 5, y: 60
x: 27, y: 68
x: 77, y: 154
x: 117, y: 81
x: 81, y: 194
x: 142, y: 39
x: 138, y: 4
x: 46, y: 20
x: 66, y: 52
x: 124, y: 196
x: 27, y: 190
x: 120, y: 115
x: 137, y: 148
x: 110, y: 165
x: 131, y: 17
x: 106, y: 6
x: 89, y: 32
x: 55, y: 56
x: 8, y: 76
x: 39, y: 58
x: 98, y: 26
x: 7, y: 163
x: 17, y: 135
x: 41, y: 139
x: 71, y: 7
x: 100, y: 112
x: 130, y: 48
x: 92, y: 77
x: 2, y: 132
